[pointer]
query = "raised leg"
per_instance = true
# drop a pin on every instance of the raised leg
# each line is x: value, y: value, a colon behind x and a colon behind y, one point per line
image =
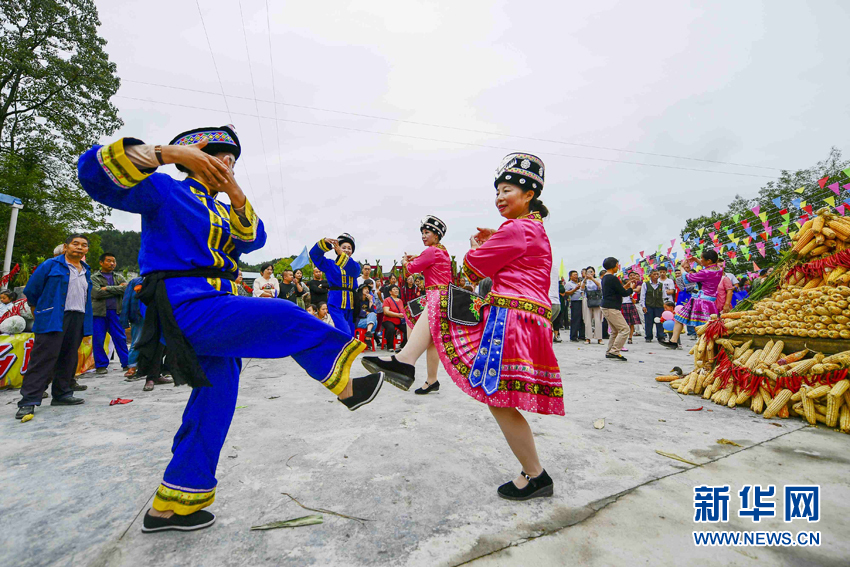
x: 518, y: 434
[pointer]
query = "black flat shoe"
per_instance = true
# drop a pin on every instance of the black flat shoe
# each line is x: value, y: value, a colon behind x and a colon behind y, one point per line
x: 619, y: 357
x: 190, y: 522
x: 24, y: 411
x: 670, y: 345
x: 67, y: 401
x: 426, y: 389
x: 365, y: 390
x: 397, y: 373
x: 536, y: 488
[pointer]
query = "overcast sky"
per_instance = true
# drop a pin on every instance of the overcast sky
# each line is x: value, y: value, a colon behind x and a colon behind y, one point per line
x: 758, y: 83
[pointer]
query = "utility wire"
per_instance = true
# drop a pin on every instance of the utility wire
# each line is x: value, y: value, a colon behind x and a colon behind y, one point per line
x: 276, y: 123
x: 471, y: 144
x: 262, y: 140
x: 218, y: 76
x: 459, y: 129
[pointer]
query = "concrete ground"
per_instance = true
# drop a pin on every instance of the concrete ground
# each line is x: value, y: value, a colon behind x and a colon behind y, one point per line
x: 75, y: 481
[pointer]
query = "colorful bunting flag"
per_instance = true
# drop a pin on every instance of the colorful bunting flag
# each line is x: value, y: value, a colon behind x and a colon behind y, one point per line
x: 756, y: 210
x: 763, y: 217
x: 830, y: 201
x: 700, y: 231
x: 777, y: 203
x: 800, y: 190
x: 756, y: 268
x: 760, y: 246
x: 835, y: 188
x: 840, y: 209
x: 717, y: 225
x: 796, y: 203
x: 822, y: 181
x: 736, y: 217
x: 808, y: 209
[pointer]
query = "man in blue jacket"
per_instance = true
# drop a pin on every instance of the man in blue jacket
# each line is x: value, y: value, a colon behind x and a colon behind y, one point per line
x: 59, y: 294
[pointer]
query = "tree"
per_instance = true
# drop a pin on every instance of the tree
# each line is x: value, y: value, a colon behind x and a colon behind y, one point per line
x: 55, y: 84
x: 788, y: 188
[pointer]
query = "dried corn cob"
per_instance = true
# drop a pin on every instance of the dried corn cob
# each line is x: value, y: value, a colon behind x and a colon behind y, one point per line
x: 835, y: 274
x: 818, y: 392
x: 844, y: 419
x: 779, y: 402
x: 808, y: 407
x: 753, y: 360
x: 806, y: 236
x: 783, y: 413
x: 813, y: 283
x: 757, y: 404
x: 742, y: 349
x: 793, y: 357
x: 802, y: 368
x: 765, y: 395
x: 775, y: 353
x: 838, y: 357
x: 832, y: 405
x: 669, y: 378
x: 842, y: 232
x: 743, y: 396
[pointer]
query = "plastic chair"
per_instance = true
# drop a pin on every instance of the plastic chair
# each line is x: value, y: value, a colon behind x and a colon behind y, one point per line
x: 360, y: 335
x: 397, y: 340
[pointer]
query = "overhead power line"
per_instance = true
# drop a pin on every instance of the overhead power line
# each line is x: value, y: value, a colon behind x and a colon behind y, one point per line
x: 459, y: 129
x: 471, y: 144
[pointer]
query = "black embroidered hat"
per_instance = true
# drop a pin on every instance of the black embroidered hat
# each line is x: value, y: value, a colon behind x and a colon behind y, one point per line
x: 345, y: 237
x: 523, y: 170
x: 433, y: 224
x: 219, y: 139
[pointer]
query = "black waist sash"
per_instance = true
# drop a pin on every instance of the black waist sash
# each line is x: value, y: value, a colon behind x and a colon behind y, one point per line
x: 340, y: 288
x: 160, y: 322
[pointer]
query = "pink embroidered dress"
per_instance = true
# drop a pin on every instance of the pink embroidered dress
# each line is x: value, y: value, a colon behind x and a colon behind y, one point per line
x: 435, y: 265
x: 506, y: 360
x: 699, y: 309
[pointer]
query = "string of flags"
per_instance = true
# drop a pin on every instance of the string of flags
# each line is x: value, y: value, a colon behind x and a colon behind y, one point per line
x: 771, y: 227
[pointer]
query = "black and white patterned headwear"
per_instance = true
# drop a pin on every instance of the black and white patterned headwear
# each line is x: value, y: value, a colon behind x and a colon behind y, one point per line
x: 218, y: 139
x: 522, y: 170
x: 345, y: 237
x: 433, y: 224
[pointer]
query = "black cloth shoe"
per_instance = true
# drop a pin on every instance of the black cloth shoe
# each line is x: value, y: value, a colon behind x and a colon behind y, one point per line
x: 67, y: 401
x: 103, y: 370
x: 615, y: 356
x: 190, y: 522
x: 397, y: 373
x: 24, y: 411
x: 77, y: 387
x: 670, y: 344
x: 426, y: 389
x: 536, y: 487
x: 365, y: 390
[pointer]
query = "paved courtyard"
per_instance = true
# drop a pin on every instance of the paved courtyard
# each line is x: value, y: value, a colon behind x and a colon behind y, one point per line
x: 76, y: 481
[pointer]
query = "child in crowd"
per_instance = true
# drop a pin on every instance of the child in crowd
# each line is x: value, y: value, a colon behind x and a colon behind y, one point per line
x: 311, y: 309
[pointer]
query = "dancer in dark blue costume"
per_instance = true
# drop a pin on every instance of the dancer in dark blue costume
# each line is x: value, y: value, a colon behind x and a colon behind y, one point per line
x: 342, y: 278
x: 190, y: 247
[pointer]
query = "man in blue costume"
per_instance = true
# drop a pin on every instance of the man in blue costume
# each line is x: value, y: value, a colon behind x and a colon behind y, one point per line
x: 342, y: 279
x: 191, y: 244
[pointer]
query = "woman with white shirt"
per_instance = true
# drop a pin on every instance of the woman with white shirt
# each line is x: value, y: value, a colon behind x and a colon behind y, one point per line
x: 266, y: 285
x: 591, y: 314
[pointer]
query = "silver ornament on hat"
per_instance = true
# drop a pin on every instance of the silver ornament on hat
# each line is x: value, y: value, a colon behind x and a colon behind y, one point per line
x: 525, y: 164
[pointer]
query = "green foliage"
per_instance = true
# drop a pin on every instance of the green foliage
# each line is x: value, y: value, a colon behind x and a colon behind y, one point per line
x: 785, y: 189
x: 286, y: 264
x: 95, y: 250
x: 124, y: 244
x: 55, y: 84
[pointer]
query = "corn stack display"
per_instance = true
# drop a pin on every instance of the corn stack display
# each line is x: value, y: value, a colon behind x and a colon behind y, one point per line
x: 810, y: 307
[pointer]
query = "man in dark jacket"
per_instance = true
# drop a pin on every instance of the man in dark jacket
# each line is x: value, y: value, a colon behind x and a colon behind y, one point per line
x: 59, y: 294
x: 107, y: 294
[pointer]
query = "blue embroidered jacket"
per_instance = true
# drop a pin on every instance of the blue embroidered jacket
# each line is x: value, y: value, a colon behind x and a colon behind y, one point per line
x: 183, y: 226
x: 342, y: 273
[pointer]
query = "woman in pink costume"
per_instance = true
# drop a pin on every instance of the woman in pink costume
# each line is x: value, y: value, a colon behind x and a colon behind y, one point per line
x: 506, y: 359
x: 699, y: 309
x: 435, y: 264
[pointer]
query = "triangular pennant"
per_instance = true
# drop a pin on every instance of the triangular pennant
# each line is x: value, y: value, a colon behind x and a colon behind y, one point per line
x: 830, y: 201
x: 686, y: 236
x: 800, y: 190
x: 847, y: 172
x: 835, y: 188
x: 736, y: 217
x: 840, y: 209
x: 777, y: 202
x: 756, y: 210
x: 769, y: 231
x: 822, y: 181
x: 712, y: 235
x: 846, y: 187
x: 763, y: 217
x: 700, y: 231
x: 796, y: 203
x: 808, y: 209
x: 673, y: 242
x: 763, y: 235
x: 787, y: 217
x: 756, y: 268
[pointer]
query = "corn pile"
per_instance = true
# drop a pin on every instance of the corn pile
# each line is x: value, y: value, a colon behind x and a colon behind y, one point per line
x: 812, y: 302
x: 813, y: 312
x: 822, y: 235
x: 769, y: 382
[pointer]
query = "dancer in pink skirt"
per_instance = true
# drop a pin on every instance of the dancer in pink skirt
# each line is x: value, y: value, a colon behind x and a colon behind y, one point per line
x: 435, y: 264
x: 699, y: 309
x: 505, y: 359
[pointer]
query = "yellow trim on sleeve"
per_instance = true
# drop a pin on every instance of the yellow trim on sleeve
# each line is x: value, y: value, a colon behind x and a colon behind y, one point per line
x: 342, y: 260
x: 240, y: 232
x: 118, y: 166
x: 324, y: 245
